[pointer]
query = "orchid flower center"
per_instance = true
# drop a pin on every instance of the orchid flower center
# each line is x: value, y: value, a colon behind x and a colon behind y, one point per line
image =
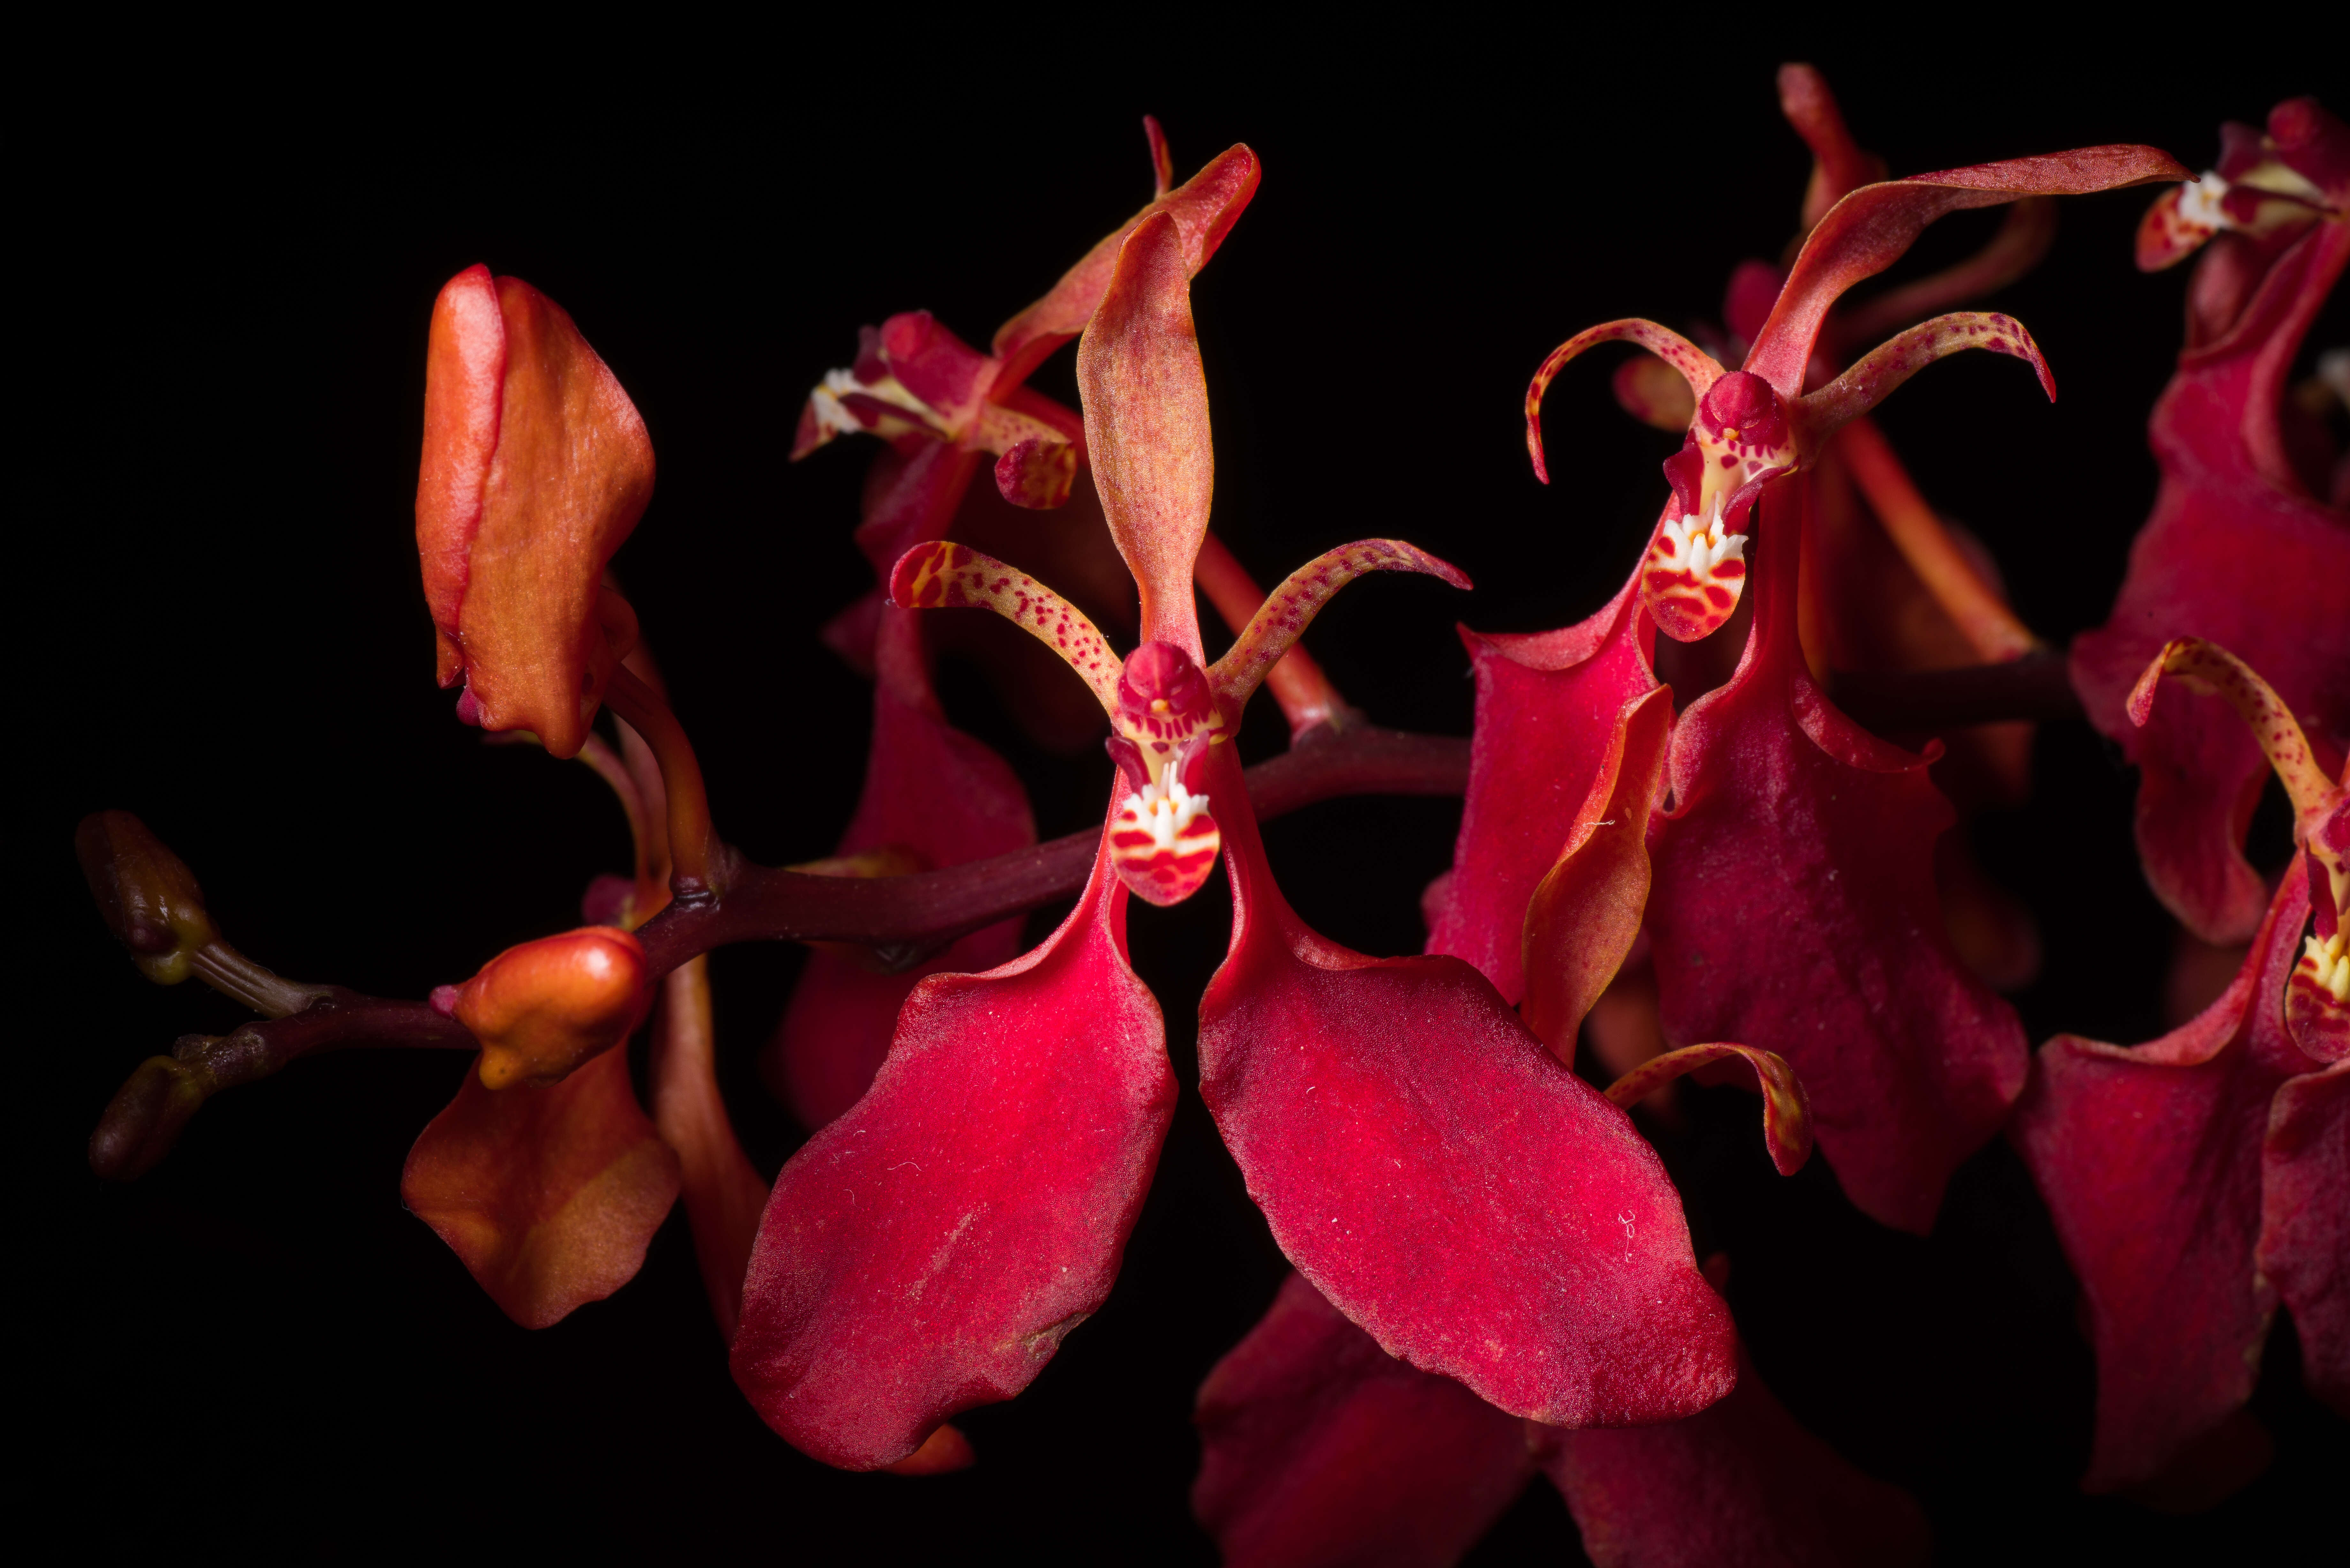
x: 1697, y: 566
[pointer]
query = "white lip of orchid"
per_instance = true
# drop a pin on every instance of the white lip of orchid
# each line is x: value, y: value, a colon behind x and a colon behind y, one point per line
x: 2331, y: 959
x: 1165, y: 808
x: 2199, y: 199
x: 1699, y: 546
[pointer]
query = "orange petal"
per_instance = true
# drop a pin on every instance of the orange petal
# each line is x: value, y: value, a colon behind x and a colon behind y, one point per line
x: 547, y: 1195
x: 571, y: 473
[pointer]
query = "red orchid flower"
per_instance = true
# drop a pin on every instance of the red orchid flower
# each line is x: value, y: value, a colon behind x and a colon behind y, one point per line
x: 933, y: 796
x: 2245, y: 490
x: 2196, y: 1181
x: 1421, y: 1159
x: 1793, y: 904
x: 1886, y: 585
x: 1319, y: 1448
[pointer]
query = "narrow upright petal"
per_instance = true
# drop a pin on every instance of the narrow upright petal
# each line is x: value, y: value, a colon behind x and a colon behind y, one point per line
x: 548, y: 1196
x: 1202, y: 209
x: 1795, y: 911
x: 1321, y: 1450
x: 927, y: 1250
x: 1442, y: 1180
x: 1145, y: 406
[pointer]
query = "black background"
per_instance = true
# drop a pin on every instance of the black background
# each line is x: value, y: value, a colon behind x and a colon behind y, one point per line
x: 226, y: 305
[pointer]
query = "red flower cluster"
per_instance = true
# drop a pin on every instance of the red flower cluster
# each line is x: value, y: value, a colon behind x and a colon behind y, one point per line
x: 1493, y: 1274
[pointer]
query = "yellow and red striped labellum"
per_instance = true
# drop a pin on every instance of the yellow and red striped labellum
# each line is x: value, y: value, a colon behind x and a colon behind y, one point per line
x: 1696, y: 565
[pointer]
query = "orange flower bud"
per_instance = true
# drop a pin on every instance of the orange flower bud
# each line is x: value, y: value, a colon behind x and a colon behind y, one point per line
x: 536, y: 468
x: 542, y: 1009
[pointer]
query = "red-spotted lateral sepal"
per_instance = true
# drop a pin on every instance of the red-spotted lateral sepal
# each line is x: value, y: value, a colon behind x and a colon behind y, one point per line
x: 2317, y: 992
x: 946, y: 575
x: 1696, y: 564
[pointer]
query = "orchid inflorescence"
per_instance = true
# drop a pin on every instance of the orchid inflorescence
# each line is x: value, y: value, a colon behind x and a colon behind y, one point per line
x: 1734, y: 878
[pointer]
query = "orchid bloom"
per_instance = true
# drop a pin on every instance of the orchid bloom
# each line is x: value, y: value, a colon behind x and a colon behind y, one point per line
x: 2196, y: 1180
x: 1322, y: 1449
x: 2248, y: 544
x: 1791, y: 902
x: 1423, y: 1159
x: 933, y: 796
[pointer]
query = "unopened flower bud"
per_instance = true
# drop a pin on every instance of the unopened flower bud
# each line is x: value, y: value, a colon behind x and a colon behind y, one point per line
x: 542, y: 1009
x: 147, y: 894
x: 537, y: 467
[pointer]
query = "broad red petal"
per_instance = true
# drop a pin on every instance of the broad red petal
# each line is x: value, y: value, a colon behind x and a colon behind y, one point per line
x: 2150, y: 1162
x: 1442, y: 1178
x: 1546, y: 705
x: 2305, y: 1249
x: 2238, y: 552
x: 548, y: 1196
x: 1318, y: 1449
x: 1741, y: 1485
x: 927, y: 1252
x: 1868, y: 231
x: 1147, y: 429
x: 1793, y: 910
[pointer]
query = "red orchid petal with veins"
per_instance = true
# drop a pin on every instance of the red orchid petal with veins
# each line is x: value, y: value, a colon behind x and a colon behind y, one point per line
x: 1321, y: 1449
x: 2240, y: 551
x: 926, y: 1252
x: 1547, y: 711
x: 2149, y: 1160
x: 1442, y: 1180
x: 548, y: 1196
x: 1794, y: 910
x: 1585, y: 914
